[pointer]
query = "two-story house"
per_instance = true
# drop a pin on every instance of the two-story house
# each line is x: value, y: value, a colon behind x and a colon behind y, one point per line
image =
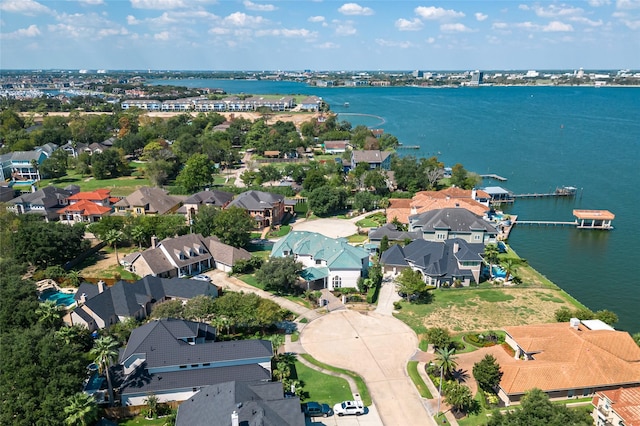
x: 218, y: 199
x: 148, y: 201
x: 267, y: 209
x: 88, y: 207
x: 45, y: 202
x: 444, y: 224
x: 376, y: 159
x: 174, y: 359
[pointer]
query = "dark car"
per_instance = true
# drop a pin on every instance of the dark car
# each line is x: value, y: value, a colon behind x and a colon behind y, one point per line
x: 315, y: 409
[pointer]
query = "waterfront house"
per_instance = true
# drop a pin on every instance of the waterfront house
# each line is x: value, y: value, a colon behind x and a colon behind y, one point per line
x: 45, y: 202
x: 267, y: 209
x: 498, y: 194
x: 148, y: 201
x: 329, y: 263
x: 376, y: 159
x: 567, y: 360
x: 185, y: 255
x: 310, y: 103
x: 23, y: 165
x: 441, y: 264
x: 241, y: 403
x: 476, y: 201
x: 392, y: 233
x: 143, y: 104
x: 444, y: 224
x: 218, y: 199
x: 336, y: 147
x: 174, y: 359
x: 99, y: 306
x: 617, y: 407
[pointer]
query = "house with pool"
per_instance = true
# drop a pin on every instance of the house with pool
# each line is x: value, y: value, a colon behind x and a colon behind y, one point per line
x: 449, y: 223
x: 329, y: 262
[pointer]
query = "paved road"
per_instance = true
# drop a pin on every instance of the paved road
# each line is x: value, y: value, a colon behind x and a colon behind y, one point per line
x: 377, y: 347
x: 388, y: 295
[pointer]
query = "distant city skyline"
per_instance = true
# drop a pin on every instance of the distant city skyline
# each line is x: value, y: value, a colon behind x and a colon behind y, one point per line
x: 319, y: 35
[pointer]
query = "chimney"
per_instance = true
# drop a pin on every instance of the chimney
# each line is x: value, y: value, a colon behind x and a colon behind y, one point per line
x: 154, y: 241
x: 473, y: 194
x: 83, y: 297
x: 456, y: 247
x: 574, y: 323
x: 235, y: 421
x: 100, y: 286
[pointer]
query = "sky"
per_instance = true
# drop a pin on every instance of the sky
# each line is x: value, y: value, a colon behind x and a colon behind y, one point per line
x: 319, y: 35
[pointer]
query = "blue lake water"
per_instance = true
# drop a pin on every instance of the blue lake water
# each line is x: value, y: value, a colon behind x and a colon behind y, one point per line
x: 539, y: 138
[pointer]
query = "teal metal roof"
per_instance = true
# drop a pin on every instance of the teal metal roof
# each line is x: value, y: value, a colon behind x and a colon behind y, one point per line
x: 312, y: 274
x: 337, y: 253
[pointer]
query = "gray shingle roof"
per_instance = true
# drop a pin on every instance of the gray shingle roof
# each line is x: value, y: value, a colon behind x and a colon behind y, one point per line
x: 370, y: 156
x: 225, y: 253
x: 212, y: 198
x: 392, y: 233
x: 49, y: 197
x: 256, y: 200
x: 255, y: 403
x: 453, y: 219
x: 163, y: 348
x: 141, y: 382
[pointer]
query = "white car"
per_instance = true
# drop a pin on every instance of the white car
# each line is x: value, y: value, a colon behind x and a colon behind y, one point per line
x: 349, y: 408
x: 201, y: 278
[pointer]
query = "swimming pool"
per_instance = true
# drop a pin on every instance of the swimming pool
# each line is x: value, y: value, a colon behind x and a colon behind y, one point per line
x: 61, y: 298
x: 94, y: 383
x: 498, y: 272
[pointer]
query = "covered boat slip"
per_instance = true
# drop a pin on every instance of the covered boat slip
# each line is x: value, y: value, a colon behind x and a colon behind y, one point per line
x: 594, y: 219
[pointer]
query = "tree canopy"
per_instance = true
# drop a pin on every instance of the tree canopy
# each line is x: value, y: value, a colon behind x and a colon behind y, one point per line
x: 48, y: 243
x: 487, y: 373
x: 280, y: 274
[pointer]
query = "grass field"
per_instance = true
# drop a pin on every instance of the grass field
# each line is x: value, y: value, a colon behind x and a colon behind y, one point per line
x: 121, y: 186
x: 412, y: 370
x: 321, y: 387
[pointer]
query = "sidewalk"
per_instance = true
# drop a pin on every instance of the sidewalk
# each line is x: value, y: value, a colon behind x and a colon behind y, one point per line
x: 433, y: 403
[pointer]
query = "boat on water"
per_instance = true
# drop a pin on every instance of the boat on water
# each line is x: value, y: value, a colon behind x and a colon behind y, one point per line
x: 346, y: 104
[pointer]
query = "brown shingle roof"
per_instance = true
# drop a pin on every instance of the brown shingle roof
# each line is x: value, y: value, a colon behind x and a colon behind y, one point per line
x: 566, y: 358
x: 225, y: 253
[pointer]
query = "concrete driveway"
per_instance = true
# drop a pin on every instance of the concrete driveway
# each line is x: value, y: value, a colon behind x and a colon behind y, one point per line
x: 377, y: 347
x: 371, y: 418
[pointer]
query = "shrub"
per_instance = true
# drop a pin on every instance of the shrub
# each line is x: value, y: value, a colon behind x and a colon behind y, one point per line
x: 397, y: 305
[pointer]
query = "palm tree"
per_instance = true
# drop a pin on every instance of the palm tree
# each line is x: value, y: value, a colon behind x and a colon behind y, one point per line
x: 491, y: 256
x: 282, y: 371
x: 277, y: 340
x: 138, y: 235
x: 81, y: 410
x: 152, y: 406
x: 112, y: 237
x: 105, y: 352
x: 509, y: 267
x: 446, y: 360
x: 74, y: 278
x: 49, y: 313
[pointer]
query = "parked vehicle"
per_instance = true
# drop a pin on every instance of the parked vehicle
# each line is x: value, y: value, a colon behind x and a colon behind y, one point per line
x: 201, y: 278
x: 349, y: 408
x: 315, y: 409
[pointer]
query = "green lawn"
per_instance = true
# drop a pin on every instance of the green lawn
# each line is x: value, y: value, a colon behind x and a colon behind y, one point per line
x: 284, y: 230
x: 121, y: 186
x: 412, y: 369
x: 141, y: 421
x: 321, y: 387
x: 251, y: 280
x: 362, y: 387
x: 357, y: 239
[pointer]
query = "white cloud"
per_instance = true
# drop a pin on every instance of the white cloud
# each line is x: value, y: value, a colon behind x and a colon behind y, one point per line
x: 628, y: 4
x: 355, y: 9
x: 258, y: 7
x: 586, y: 21
x: 219, y: 31
x: 436, y: 13
x: 345, y: 29
x: 31, y: 31
x: 328, y: 45
x: 26, y: 7
x: 527, y: 26
x: 85, y: 26
x: 431, y: 40
x: 132, y: 20
x: 500, y: 26
x: 481, y: 16
x: 406, y: 25
x: 239, y: 19
x: 92, y: 2
x: 158, y: 4
x: 454, y: 28
x: 554, y: 11
x: 284, y: 32
x: 598, y: 3
x: 316, y: 19
x: 163, y: 36
x: 630, y: 22
x: 557, y: 26
x: 392, y: 43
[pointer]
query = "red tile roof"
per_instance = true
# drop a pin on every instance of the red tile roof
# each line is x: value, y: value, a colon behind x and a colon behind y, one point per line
x: 625, y: 402
x: 86, y: 208
x: 98, y: 194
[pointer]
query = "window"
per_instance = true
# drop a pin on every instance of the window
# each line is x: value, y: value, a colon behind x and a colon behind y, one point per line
x: 476, y: 237
x: 336, y: 282
x: 206, y: 364
x: 318, y: 262
x: 183, y: 366
x: 194, y: 365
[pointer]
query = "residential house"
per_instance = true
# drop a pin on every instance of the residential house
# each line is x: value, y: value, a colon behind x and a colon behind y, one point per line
x: 310, y: 103
x: 7, y: 193
x: 498, y: 194
x: 617, y: 407
x: 476, y: 201
x: 45, y: 202
x: 218, y: 199
x: 267, y: 209
x: 99, y: 306
x: 376, y: 159
x: 241, y: 403
x: 87, y: 207
x: 392, y: 233
x: 23, y: 165
x: 185, y: 255
x: 442, y: 264
x: 143, y: 104
x: 148, y: 201
x: 444, y: 224
x: 336, y: 147
x: 329, y: 263
x: 567, y: 360
x: 174, y: 359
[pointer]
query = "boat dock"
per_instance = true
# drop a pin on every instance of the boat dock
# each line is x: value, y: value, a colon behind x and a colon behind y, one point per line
x: 494, y: 176
x: 564, y: 191
x: 585, y: 219
x: 408, y: 147
x: 546, y: 223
